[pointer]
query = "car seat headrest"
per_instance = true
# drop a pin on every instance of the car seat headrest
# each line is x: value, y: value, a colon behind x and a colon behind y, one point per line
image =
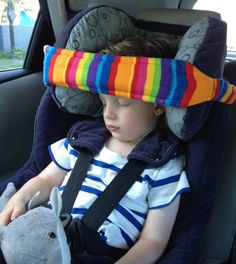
x: 94, y: 29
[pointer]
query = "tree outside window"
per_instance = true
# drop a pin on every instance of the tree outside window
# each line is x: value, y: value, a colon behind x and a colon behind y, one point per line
x: 17, y: 18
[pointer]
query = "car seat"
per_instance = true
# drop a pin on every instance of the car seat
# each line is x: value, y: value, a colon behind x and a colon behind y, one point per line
x: 203, y: 128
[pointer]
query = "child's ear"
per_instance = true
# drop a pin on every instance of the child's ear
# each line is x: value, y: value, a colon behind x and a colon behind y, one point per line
x: 159, y: 109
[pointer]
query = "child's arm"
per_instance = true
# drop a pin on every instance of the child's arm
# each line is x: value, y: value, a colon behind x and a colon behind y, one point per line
x: 154, y: 237
x: 51, y: 176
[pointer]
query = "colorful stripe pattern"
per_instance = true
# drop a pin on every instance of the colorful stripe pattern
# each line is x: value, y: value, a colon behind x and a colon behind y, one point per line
x: 168, y: 82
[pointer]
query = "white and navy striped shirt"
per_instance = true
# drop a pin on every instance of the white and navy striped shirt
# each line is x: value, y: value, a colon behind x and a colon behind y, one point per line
x: 155, y: 188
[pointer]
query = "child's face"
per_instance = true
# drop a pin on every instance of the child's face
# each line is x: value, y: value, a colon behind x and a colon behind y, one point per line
x: 129, y: 120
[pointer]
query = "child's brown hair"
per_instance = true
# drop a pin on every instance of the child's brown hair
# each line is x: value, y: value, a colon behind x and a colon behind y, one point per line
x: 138, y: 46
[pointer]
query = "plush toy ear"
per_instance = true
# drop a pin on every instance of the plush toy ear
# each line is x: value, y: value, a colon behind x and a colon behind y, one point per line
x: 56, y: 201
x: 32, y: 200
x: 7, y: 194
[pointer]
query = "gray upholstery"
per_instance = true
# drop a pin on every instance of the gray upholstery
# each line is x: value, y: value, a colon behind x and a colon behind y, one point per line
x: 19, y: 100
x: 175, y: 16
x: 59, y: 16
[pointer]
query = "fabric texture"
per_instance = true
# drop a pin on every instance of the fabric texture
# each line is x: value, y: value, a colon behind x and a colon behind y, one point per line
x: 163, y: 81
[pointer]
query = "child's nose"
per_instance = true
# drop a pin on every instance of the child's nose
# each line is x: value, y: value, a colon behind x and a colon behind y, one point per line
x: 109, y: 112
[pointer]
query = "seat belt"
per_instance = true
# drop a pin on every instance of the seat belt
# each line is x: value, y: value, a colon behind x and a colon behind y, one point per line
x: 76, y: 179
x: 109, y: 198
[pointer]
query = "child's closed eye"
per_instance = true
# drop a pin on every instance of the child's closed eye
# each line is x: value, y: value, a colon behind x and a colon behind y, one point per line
x: 123, y: 102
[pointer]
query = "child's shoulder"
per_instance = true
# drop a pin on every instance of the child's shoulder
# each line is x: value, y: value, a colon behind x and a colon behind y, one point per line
x: 175, y: 166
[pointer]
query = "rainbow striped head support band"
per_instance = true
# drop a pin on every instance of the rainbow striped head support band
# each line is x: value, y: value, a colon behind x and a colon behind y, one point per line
x: 167, y: 82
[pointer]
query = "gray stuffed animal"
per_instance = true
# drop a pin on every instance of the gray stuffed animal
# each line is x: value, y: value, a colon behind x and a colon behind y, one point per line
x: 37, y: 236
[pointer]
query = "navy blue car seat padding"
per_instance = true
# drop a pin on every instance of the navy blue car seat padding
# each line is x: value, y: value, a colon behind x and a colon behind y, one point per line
x: 48, y: 128
x: 204, y: 155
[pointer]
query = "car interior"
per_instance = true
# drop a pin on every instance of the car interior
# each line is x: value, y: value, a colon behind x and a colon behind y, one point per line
x: 205, y: 229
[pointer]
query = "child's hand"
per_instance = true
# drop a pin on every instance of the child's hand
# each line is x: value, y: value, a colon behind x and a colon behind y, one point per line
x: 12, y: 210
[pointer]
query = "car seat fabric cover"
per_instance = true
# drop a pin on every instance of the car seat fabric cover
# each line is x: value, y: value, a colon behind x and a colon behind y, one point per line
x: 207, y: 142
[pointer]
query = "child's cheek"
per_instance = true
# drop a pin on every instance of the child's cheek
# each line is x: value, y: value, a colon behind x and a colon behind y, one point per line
x: 129, y: 121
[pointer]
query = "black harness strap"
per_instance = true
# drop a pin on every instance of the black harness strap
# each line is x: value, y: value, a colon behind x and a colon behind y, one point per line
x: 76, y: 179
x: 109, y: 198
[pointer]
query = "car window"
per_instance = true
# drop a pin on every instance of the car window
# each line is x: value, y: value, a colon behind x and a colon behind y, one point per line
x: 227, y: 11
x: 17, y: 19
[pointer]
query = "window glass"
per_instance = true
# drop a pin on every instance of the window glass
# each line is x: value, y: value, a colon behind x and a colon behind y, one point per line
x: 227, y: 10
x: 17, y: 19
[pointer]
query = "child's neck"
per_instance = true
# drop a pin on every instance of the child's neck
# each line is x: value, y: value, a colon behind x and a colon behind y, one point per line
x: 120, y: 147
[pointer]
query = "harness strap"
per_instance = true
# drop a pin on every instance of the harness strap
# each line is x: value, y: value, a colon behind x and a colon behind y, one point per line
x: 76, y: 179
x: 109, y: 198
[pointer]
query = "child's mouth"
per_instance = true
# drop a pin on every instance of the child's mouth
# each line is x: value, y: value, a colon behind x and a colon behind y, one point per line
x: 112, y: 128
